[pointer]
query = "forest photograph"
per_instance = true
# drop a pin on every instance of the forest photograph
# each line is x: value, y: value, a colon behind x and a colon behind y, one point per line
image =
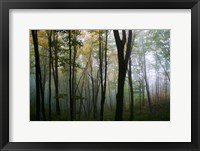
x: 100, y: 75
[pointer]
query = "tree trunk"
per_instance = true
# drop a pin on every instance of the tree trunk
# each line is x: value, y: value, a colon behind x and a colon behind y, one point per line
x: 74, y: 81
x: 147, y: 84
x: 39, y: 88
x: 103, y: 84
x: 166, y: 96
x: 166, y: 73
x: 140, y: 96
x: 97, y: 85
x: 122, y: 68
x: 37, y: 77
x: 56, y: 76
x: 110, y: 96
x: 89, y: 98
x: 147, y: 89
x: 50, y: 62
x: 81, y: 101
x: 131, y: 92
x: 44, y: 59
x: 70, y: 79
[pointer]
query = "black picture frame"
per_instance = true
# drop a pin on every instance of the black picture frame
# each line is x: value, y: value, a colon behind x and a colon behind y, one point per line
x: 5, y: 5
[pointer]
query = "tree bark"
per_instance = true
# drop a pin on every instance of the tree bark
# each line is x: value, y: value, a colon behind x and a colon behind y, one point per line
x: 110, y: 97
x: 122, y: 68
x: 50, y: 62
x: 37, y: 77
x: 103, y: 80
x: 39, y: 89
x: 74, y: 81
x: 44, y: 75
x: 56, y: 75
x: 70, y: 79
x: 131, y: 92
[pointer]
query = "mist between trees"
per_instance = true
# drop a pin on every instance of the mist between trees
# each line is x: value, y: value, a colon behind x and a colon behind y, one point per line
x: 100, y: 75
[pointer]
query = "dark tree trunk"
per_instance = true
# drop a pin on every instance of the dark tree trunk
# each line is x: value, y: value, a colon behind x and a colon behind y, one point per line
x: 74, y: 81
x: 37, y: 77
x: 103, y: 81
x: 44, y: 80
x: 50, y: 62
x: 110, y: 97
x: 56, y: 74
x: 131, y: 91
x: 70, y: 79
x: 93, y: 87
x: 89, y: 97
x: 97, y: 85
x: 122, y: 68
x: 39, y: 88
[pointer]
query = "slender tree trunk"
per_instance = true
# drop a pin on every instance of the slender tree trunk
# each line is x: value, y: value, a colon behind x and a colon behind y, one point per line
x: 166, y: 97
x: 44, y: 78
x: 147, y: 87
x: 143, y: 93
x: 166, y: 83
x: 81, y: 101
x: 70, y: 79
x: 166, y: 73
x: 131, y: 91
x: 93, y: 86
x: 86, y: 102
x: 56, y: 76
x: 89, y: 97
x: 50, y: 62
x: 157, y: 80
x: 97, y: 86
x: 140, y: 96
x: 142, y: 80
x: 147, y: 84
x: 103, y: 84
x: 158, y: 88
x: 110, y: 95
x: 74, y: 82
x: 105, y: 72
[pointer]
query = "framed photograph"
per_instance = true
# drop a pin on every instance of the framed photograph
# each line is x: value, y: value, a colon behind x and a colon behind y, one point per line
x: 100, y: 75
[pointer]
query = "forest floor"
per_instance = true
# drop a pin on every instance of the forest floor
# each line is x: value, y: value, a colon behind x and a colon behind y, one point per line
x: 160, y: 112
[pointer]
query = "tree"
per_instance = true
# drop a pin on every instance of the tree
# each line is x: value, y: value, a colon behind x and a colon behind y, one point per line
x: 50, y: 62
x: 131, y: 91
x: 145, y: 77
x: 39, y: 89
x: 56, y: 78
x: 103, y: 79
x: 122, y: 65
x: 70, y: 80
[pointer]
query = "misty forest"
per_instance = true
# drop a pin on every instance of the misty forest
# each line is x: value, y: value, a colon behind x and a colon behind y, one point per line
x: 100, y: 75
